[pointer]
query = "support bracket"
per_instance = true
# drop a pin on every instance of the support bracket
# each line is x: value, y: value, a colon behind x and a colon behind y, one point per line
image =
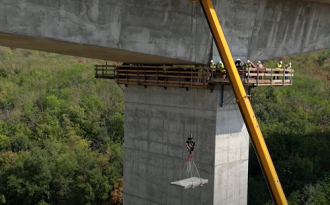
x: 245, y: 97
x: 222, y: 94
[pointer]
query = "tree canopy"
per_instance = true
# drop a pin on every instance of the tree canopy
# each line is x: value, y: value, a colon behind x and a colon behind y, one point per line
x: 295, y: 121
x: 61, y: 130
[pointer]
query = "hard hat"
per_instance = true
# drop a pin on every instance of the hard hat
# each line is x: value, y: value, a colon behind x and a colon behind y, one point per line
x: 211, y: 61
x: 281, y: 62
x: 238, y: 59
x: 220, y: 62
x: 248, y: 61
x: 259, y: 62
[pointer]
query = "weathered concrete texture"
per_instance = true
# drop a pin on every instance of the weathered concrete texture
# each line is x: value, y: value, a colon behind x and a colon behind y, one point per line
x: 320, y: 1
x: 135, y: 31
x: 75, y: 49
x: 164, y: 32
x: 157, y: 124
x: 264, y: 29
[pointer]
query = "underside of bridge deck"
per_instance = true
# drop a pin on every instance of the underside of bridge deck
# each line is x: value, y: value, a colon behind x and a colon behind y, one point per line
x: 82, y: 50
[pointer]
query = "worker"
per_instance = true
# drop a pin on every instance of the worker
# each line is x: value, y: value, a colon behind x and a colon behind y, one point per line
x: 165, y: 73
x: 200, y: 74
x: 279, y: 65
x: 190, y: 144
x: 212, y: 64
x: 259, y: 65
x: 222, y: 69
x: 212, y: 68
x: 260, y: 68
x: 165, y: 69
x: 288, y: 66
x: 238, y: 63
x: 239, y: 66
x: 247, y: 65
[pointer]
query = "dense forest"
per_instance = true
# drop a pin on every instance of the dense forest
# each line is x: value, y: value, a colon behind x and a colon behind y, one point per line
x: 61, y: 131
x: 295, y: 121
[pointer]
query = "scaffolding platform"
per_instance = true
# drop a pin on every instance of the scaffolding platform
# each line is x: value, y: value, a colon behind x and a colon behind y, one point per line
x: 190, y: 76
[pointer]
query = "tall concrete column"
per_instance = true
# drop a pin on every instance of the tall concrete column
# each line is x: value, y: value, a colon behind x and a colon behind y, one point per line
x: 157, y: 124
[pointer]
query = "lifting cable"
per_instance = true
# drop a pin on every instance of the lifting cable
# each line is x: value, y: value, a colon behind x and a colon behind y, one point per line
x: 257, y: 156
x: 190, y: 165
x: 119, y: 85
x: 194, y: 27
x: 206, y: 27
x: 258, y: 93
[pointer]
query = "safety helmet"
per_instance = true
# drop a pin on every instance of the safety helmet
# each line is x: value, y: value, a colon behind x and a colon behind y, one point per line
x: 238, y: 59
x: 211, y: 61
x: 248, y: 61
x: 259, y: 62
x: 220, y: 62
x: 281, y: 62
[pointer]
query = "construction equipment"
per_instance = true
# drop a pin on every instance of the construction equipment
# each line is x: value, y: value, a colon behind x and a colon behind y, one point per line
x: 191, y: 181
x: 244, y: 104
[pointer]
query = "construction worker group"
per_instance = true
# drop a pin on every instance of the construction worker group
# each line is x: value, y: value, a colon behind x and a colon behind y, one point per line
x: 218, y: 69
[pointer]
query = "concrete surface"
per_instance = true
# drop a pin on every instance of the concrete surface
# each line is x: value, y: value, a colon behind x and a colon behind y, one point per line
x: 157, y: 124
x: 135, y: 31
x: 83, y: 50
x: 164, y: 32
x: 264, y: 29
x: 320, y: 1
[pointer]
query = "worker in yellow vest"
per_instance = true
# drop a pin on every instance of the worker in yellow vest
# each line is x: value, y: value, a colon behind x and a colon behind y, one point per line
x: 212, y: 64
x: 200, y: 73
x: 279, y: 65
x: 247, y: 65
x: 222, y: 69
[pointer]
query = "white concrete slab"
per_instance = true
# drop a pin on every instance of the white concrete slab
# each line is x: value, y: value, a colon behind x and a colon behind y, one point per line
x: 192, y: 182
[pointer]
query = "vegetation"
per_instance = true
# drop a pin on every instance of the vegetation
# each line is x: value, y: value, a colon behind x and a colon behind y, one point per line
x: 61, y: 131
x: 295, y: 122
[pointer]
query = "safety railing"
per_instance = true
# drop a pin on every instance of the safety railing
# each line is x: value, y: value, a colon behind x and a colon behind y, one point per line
x: 268, y: 76
x: 190, y: 76
x: 105, y: 71
x: 174, y: 76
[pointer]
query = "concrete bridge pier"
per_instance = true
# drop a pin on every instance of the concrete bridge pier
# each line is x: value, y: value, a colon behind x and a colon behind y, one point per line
x: 157, y: 124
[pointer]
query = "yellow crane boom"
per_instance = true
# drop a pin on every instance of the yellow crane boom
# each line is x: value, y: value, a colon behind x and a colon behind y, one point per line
x: 244, y: 103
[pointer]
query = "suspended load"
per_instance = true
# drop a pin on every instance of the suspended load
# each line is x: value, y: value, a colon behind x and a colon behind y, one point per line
x: 190, y: 166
